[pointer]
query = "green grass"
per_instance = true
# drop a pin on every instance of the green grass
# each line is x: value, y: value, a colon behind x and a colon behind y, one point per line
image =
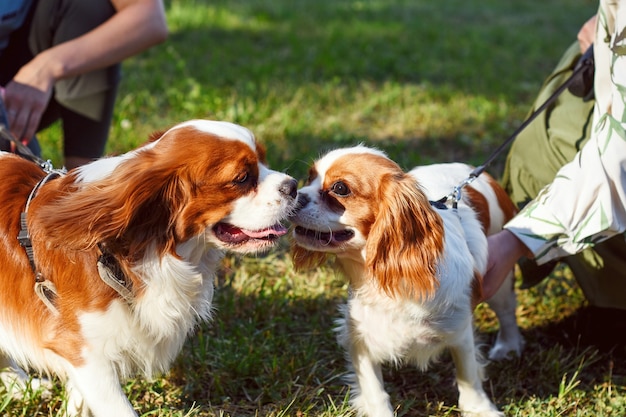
x: 427, y: 81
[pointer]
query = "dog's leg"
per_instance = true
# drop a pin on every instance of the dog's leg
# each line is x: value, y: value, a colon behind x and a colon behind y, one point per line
x: 367, y: 392
x: 473, y: 400
x: 509, y: 338
x: 369, y: 397
x: 75, y: 405
x: 95, y: 388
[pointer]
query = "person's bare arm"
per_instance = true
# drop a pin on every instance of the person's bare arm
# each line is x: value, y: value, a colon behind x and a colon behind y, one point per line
x: 136, y: 25
x: 505, y: 249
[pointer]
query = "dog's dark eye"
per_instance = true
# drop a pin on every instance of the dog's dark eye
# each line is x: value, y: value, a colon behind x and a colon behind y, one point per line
x: 340, y: 188
x: 241, y: 178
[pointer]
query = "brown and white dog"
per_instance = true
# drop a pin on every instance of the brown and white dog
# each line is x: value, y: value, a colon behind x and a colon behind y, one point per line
x: 157, y: 220
x: 414, y: 267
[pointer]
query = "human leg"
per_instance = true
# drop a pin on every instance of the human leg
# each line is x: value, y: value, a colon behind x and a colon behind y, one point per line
x: 84, y: 103
x: 85, y: 133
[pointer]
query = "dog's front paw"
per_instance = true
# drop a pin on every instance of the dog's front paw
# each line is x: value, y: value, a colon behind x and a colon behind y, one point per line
x: 372, y: 407
x: 475, y: 403
x: 482, y: 408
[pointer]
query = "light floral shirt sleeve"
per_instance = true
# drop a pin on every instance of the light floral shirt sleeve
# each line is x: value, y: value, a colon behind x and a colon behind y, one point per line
x: 586, y: 202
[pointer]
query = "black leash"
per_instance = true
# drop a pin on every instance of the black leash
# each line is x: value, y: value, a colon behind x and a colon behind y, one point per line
x: 583, y: 67
x: 584, y: 63
x: 25, y: 152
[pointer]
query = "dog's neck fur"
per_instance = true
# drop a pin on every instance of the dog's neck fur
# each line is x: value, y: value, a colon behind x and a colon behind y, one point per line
x: 353, y: 269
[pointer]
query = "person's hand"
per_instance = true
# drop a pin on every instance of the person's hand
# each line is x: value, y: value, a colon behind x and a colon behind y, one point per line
x: 587, y: 34
x: 26, y: 98
x: 505, y: 249
x: 143, y: 24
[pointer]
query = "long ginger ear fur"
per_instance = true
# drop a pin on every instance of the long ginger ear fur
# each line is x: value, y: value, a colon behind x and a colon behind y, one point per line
x: 105, y: 211
x: 304, y: 259
x: 406, y: 240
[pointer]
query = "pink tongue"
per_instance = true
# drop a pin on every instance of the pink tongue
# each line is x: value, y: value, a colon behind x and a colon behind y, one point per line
x: 277, y: 230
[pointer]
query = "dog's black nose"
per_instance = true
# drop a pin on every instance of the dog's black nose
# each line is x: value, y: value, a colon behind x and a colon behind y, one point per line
x: 289, y: 188
x: 303, y: 200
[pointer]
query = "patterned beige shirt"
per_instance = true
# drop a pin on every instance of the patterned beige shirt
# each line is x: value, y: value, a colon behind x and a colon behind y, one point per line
x: 586, y: 202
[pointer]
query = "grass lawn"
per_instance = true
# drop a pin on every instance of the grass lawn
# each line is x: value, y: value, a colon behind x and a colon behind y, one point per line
x: 427, y: 81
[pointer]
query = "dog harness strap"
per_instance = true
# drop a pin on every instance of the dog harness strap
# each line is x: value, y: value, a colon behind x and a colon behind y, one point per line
x: 44, y: 288
x: 47, y: 292
x: 440, y: 204
x: 111, y: 273
x: 24, y: 236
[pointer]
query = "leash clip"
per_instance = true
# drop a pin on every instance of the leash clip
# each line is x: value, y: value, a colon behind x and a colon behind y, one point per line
x: 49, y: 168
x: 457, y: 194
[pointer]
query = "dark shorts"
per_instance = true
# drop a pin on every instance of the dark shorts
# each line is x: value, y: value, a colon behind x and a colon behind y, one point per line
x: 85, y: 103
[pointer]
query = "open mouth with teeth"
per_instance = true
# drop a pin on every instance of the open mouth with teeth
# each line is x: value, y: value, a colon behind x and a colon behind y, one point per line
x: 235, y: 236
x: 320, y: 239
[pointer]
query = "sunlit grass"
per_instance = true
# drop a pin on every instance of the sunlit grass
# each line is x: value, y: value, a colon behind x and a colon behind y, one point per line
x: 427, y: 81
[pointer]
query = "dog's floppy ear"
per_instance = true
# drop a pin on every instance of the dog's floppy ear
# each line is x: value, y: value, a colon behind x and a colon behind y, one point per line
x: 134, y: 207
x: 304, y: 259
x: 406, y: 240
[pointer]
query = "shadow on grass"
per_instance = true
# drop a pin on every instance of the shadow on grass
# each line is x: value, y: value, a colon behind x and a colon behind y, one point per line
x: 271, y: 351
x: 261, y: 352
x: 585, y: 351
x: 587, y: 327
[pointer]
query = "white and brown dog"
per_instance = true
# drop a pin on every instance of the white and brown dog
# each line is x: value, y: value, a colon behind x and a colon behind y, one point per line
x: 124, y: 252
x: 414, y: 267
